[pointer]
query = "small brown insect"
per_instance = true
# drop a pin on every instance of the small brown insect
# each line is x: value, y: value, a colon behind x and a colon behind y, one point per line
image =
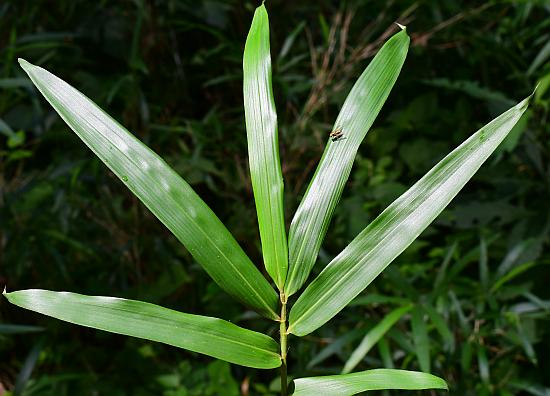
x: 337, y: 134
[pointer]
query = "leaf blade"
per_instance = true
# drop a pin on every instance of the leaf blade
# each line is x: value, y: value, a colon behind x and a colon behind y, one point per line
x: 373, y: 336
x: 377, y: 379
x: 162, y: 190
x: 400, y: 224
x: 263, y: 147
x: 202, y: 334
x: 421, y: 340
x: 311, y: 221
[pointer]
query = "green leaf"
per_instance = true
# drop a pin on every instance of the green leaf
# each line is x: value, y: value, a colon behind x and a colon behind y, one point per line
x: 440, y: 325
x: 359, y: 111
x: 378, y: 379
x: 263, y: 147
x: 19, y: 329
x: 373, y: 336
x: 483, y: 365
x: 397, y: 227
x: 420, y: 337
x: 335, y: 347
x: 162, y: 190
x: 211, y: 336
x: 385, y: 353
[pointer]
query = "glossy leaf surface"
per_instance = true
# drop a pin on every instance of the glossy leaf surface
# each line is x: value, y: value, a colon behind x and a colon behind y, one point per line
x: 359, y: 111
x: 263, y: 147
x: 162, y: 190
x: 202, y: 334
x: 378, y: 379
x: 397, y: 227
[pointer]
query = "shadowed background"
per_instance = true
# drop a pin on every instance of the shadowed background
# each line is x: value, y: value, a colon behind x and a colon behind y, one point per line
x: 171, y: 72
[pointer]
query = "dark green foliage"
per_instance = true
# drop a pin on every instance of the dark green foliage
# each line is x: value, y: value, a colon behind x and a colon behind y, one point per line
x: 171, y: 72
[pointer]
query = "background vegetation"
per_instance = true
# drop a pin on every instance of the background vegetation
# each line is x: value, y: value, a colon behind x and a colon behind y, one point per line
x: 171, y: 71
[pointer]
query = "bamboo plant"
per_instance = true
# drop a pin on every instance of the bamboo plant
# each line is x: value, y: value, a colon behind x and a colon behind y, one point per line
x: 288, y: 261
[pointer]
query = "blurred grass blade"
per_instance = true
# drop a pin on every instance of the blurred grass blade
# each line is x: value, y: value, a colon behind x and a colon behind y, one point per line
x: 26, y: 370
x: 483, y: 365
x: 400, y: 224
x: 420, y: 337
x: 526, y: 342
x: 162, y: 190
x: 440, y: 325
x: 263, y: 147
x: 335, y: 347
x: 541, y: 57
x: 385, y: 353
x: 378, y: 379
x: 19, y: 329
x: 202, y: 334
x: 359, y: 111
x: 373, y: 336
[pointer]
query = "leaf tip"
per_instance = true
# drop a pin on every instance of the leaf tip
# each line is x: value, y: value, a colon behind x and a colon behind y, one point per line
x: 24, y: 64
x: 535, y: 90
x: 402, y: 27
x: 261, y: 7
x: 5, y: 291
x: 444, y: 385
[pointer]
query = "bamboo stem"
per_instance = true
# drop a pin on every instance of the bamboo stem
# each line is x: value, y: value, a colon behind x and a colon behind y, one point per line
x: 284, y: 335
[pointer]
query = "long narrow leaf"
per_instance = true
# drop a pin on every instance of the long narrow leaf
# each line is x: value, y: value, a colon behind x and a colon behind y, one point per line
x: 400, y: 224
x: 420, y: 337
x: 210, y: 336
x: 359, y: 111
x: 162, y: 190
x: 373, y: 336
x: 378, y: 379
x: 335, y: 347
x: 263, y: 147
x: 440, y: 325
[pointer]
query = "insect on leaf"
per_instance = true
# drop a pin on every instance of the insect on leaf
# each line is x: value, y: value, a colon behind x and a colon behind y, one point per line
x: 400, y: 224
x: 311, y: 221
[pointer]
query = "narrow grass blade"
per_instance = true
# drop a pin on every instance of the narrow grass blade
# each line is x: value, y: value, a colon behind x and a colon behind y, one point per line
x: 440, y: 325
x: 202, y: 334
x: 335, y: 347
x: 26, y: 370
x: 378, y: 379
x: 263, y: 147
x: 359, y: 111
x: 373, y: 336
x: 18, y: 329
x: 420, y: 337
x: 400, y: 224
x: 385, y: 353
x: 162, y: 190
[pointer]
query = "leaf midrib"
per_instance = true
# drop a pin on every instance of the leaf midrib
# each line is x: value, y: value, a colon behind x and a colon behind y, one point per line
x: 150, y: 152
x: 345, y: 276
x: 166, y: 322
